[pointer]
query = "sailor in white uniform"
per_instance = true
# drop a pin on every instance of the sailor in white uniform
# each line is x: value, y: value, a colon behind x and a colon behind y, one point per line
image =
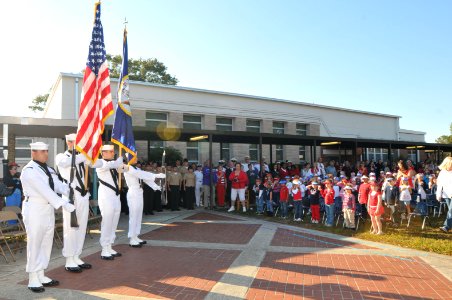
x: 74, y: 237
x: 109, y: 199
x: 134, y: 178
x: 41, y: 186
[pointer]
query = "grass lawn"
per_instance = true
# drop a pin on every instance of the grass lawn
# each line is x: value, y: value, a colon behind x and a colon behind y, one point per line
x: 430, y: 239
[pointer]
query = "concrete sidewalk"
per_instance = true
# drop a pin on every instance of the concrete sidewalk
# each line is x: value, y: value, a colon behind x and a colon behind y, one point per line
x: 211, y: 255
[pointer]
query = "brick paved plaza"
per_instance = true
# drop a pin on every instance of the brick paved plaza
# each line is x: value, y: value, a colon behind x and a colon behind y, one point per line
x: 209, y: 255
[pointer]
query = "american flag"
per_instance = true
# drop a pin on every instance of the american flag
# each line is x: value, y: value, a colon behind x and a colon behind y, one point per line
x: 96, y: 105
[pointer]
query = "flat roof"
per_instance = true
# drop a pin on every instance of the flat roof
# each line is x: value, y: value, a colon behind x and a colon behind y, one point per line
x: 56, y: 128
x: 182, y: 88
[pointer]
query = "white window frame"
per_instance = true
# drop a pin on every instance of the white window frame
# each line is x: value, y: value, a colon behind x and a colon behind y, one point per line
x: 253, y: 126
x: 191, y: 122
x: 156, y: 120
x: 224, y: 124
x: 302, y: 132
x: 187, y: 147
x: 278, y: 130
x: 279, y: 152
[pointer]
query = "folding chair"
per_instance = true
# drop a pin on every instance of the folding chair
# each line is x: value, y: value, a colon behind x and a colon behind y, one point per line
x: 16, y: 210
x: 421, y: 210
x: 358, y: 216
x: 432, y: 204
x: 442, y: 206
x: 11, y: 233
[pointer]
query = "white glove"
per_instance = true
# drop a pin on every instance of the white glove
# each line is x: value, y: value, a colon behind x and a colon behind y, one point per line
x: 123, y: 168
x: 158, y: 188
x: 80, y: 158
x: 73, y: 185
x: 120, y: 160
x: 68, y: 207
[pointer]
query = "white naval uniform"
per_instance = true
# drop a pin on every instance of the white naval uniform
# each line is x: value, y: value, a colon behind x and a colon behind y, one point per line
x: 109, y: 204
x: 74, y: 237
x: 198, y: 186
x: 38, y: 211
x: 135, y: 198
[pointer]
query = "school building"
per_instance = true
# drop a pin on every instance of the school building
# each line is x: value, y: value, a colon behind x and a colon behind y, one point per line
x: 235, y: 125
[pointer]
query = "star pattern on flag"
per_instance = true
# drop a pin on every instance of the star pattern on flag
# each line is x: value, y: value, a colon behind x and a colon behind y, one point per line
x: 97, y: 54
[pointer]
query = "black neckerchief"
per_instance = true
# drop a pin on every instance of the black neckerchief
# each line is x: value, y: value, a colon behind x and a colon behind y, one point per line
x: 44, y: 167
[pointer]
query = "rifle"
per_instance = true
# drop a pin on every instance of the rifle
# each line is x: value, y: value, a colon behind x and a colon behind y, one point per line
x: 74, y: 222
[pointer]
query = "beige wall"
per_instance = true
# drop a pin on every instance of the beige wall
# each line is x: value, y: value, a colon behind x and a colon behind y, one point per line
x: 321, y: 120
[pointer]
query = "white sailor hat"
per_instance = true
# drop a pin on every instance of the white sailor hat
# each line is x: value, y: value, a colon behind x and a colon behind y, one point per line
x: 233, y: 159
x: 295, y: 181
x: 71, y: 137
x: 39, y: 146
x: 108, y: 148
x: 221, y: 162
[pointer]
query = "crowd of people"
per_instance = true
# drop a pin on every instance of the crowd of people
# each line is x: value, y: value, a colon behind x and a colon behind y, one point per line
x: 369, y: 189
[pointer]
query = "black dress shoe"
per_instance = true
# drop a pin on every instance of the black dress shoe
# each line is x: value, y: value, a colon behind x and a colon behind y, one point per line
x: 143, y: 243
x: 73, y: 269
x: 117, y: 254
x: 160, y: 210
x: 52, y: 283
x: 135, y: 246
x: 151, y: 213
x: 85, y: 266
x: 37, y: 289
x: 111, y: 257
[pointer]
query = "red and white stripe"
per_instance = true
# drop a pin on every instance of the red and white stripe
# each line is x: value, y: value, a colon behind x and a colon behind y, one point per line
x: 95, y: 108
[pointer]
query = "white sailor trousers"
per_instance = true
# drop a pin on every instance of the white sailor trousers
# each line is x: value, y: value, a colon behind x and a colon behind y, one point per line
x: 135, y: 202
x: 39, y: 220
x: 110, y: 209
x: 74, y: 238
x: 198, y: 190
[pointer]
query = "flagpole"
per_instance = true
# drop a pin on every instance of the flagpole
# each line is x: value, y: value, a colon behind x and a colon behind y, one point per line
x: 119, y: 172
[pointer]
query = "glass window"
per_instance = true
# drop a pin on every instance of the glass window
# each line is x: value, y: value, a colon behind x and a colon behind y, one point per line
x: 302, y: 129
x: 278, y: 127
x: 253, y: 125
x: 153, y: 119
x: 411, y: 155
x: 225, y: 151
x: 279, y: 152
x: 193, y: 152
x: 1, y: 148
x: 377, y: 153
x: 302, y: 153
x: 192, y: 122
x: 23, y: 147
x: 254, y: 152
x: 156, y: 145
x: 224, y: 124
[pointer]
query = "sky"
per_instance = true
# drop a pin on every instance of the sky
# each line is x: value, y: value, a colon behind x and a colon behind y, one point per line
x: 392, y: 57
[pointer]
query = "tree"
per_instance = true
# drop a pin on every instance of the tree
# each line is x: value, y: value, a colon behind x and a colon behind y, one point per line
x: 148, y: 70
x: 172, y: 154
x: 39, y: 103
x: 445, y: 139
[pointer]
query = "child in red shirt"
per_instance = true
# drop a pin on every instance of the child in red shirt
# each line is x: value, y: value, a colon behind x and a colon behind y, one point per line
x: 283, y: 198
x: 328, y: 195
x: 375, y: 208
